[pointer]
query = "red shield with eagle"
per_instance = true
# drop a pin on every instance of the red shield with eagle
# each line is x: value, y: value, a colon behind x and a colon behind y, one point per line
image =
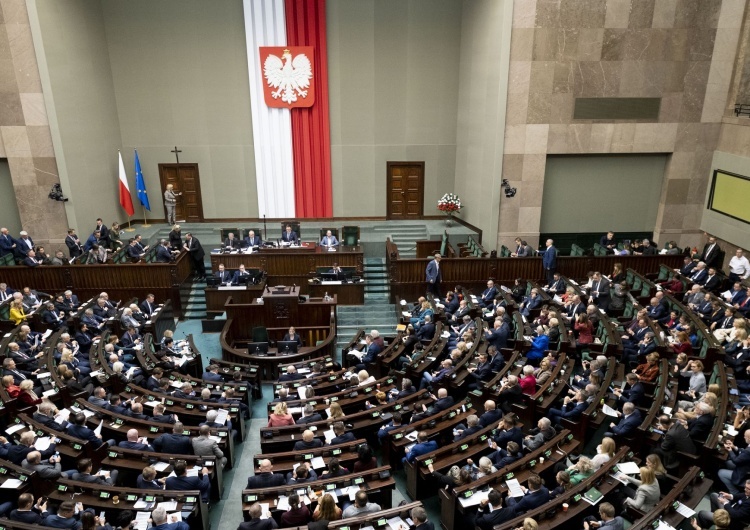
x: 287, y: 76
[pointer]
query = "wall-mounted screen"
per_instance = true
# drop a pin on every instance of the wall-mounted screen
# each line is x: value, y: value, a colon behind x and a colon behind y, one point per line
x: 730, y: 195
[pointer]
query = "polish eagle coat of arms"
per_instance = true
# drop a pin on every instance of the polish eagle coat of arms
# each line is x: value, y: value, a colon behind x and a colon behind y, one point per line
x: 287, y: 74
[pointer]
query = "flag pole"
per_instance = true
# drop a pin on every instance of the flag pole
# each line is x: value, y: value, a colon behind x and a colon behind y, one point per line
x: 145, y: 219
x: 130, y: 225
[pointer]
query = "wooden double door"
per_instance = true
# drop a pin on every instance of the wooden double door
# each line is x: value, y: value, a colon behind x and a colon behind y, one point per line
x: 186, y: 179
x: 405, y: 190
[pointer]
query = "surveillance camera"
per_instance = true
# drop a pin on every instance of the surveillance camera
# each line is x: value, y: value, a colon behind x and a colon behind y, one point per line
x: 56, y: 194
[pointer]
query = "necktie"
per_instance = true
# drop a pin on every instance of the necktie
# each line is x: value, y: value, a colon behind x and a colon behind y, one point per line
x: 19, y: 374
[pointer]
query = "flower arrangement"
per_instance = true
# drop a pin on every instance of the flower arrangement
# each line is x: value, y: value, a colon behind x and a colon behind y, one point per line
x: 450, y: 204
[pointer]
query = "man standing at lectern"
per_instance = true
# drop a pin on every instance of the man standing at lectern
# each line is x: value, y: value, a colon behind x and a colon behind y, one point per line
x: 433, y: 276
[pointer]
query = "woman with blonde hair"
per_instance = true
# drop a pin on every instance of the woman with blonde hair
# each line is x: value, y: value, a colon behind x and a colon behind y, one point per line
x: 17, y: 314
x: 485, y: 467
x: 581, y: 470
x: 682, y: 343
x: 335, y: 412
x: 604, y: 452
x: 365, y: 378
x: 27, y: 396
x: 544, y: 371
x: 648, y: 492
x: 327, y: 509
x: 280, y: 417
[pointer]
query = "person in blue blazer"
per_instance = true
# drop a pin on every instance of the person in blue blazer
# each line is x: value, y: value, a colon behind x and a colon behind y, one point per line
x: 289, y: 236
x: 489, y: 294
x: 631, y: 419
x: 572, y: 408
x: 549, y: 261
x: 534, y: 496
x: 212, y: 374
x: 423, y: 446
x: 539, y: 346
x: 329, y: 240
x: 433, y: 276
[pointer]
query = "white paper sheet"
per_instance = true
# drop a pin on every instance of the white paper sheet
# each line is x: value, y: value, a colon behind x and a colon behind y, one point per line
x: 15, y: 428
x: 609, y: 411
x: 160, y: 466
x: 11, y: 483
x: 42, y: 444
x: 684, y: 510
x: 98, y: 430
x: 514, y: 488
x: 475, y: 499
x: 629, y: 468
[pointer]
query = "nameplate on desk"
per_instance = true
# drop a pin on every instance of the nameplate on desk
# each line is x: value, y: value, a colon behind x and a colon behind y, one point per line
x: 232, y: 288
x: 331, y: 282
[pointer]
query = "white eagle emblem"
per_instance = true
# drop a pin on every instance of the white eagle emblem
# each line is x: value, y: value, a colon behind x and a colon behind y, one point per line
x: 290, y: 77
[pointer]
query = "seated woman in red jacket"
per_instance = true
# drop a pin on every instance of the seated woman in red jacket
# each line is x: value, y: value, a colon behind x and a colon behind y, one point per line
x: 26, y: 394
x: 12, y: 389
x: 528, y: 381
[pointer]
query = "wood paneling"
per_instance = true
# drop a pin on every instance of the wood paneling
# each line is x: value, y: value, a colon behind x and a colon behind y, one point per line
x: 186, y: 180
x: 407, y: 276
x: 121, y: 281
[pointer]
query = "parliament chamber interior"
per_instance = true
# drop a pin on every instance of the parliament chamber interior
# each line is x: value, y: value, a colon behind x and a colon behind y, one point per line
x: 373, y: 265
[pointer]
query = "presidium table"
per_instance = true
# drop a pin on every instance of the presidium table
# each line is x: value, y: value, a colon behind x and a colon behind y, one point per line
x: 292, y: 266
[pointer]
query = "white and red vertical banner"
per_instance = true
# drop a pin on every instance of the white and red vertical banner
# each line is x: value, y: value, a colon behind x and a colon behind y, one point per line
x: 288, y: 70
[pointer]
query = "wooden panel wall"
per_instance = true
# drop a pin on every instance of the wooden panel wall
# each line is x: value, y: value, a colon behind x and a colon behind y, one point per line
x: 121, y: 282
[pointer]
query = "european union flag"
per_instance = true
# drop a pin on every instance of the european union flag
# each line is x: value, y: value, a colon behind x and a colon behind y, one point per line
x: 140, y: 185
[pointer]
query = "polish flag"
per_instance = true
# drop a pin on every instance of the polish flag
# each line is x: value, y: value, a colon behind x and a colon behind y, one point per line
x: 126, y: 201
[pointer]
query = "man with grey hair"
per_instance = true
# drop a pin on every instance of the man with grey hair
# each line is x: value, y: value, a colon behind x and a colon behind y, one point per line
x: 544, y: 433
x: 419, y: 516
x: 204, y: 445
x: 161, y: 521
x: 255, y: 522
x: 309, y: 415
x: 49, y: 470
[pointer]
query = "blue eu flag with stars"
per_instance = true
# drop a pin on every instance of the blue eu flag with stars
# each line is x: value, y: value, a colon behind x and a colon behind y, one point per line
x: 140, y: 185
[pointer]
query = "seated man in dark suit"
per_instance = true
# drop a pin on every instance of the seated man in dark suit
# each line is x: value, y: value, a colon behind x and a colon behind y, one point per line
x: 147, y: 480
x: 148, y: 306
x: 426, y: 331
x: 240, y: 276
x: 288, y: 236
x: 442, y: 402
x: 131, y: 338
x: 534, y: 496
x: 481, y: 373
x: 79, y: 430
x: 634, y: 392
x: 472, y: 426
x: 181, y: 482
x: 85, y: 466
x: 265, y: 478
x: 174, y: 442
x: 309, y: 415
x: 572, y: 408
x: 395, y: 423
x: 255, y: 522
x: 28, y: 512
x: 407, y: 388
x: 251, y: 240
x: 491, y: 512
x: 52, y: 318
x: 135, y: 442
x: 224, y: 276
x: 45, y: 416
x: 631, y: 419
x: 212, y: 374
x: 341, y: 435
x: 31, y: 260
x: 160, y: 411
x: 65, y: 517
x: 291, y: 375
x: 700, y: 426
x: 163, y: 254
x: 423, y: 446
x: 231, y: 243
x: 419, y: 517
x: 308, y: 442
x: 160, y: 520
x: 133, y: 251
x: 498, y: 335
x: 713, y: 282
x: 488, y: 295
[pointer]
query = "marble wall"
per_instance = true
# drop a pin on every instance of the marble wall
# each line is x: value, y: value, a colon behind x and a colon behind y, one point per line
x: 682, y: 51
x: 25, y: 138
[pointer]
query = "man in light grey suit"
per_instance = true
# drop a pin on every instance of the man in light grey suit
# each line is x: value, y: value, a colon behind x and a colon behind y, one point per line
x: 46, y: 470
x: 203, y: 445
